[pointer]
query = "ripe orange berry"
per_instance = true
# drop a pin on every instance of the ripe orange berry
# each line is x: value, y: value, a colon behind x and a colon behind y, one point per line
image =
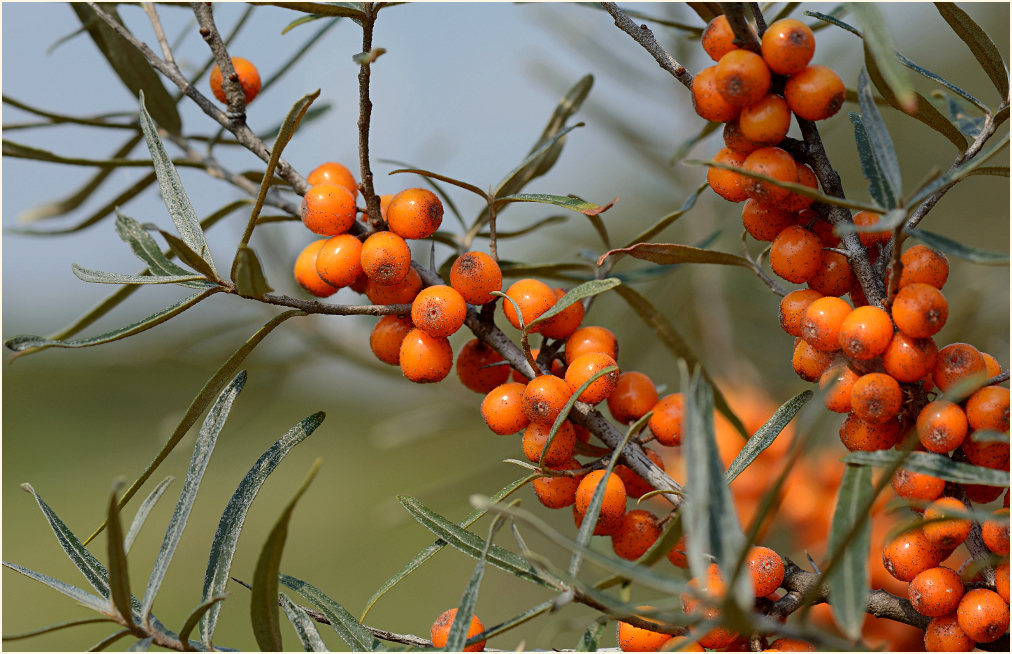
x: 707, y: 101
x: 735, y: 139
x: 920, y: 310
x: 441, y: 630
x: 305, y: 271
x: 950, y: 532
x: 865, y: 333
x: 339, y: 261
x: 772, y: 162
x: 909, y: 554
x: 415, y: 213
x: 386, y: 258
x: 634, y: 395
x: 795, y: 254
x: 944, y: 635
x: 638, y: 531
x: 533, y: 297
x: 788, y: 46
x: 612, y: 504
x: 791, y: 645
x: 834, y: 276
x: 742, y: 77
x: 636, y: 486
x: 988, y: 408
x: 328, y: 209
x: 558, y: 492
x: 403, y: 292
x: 332, y: 172
x: 386, y: 338
x: 586, y: 366
x: 922, y: 265
x: 917, y: 486
x: 635, y: 639
x: 815, y: 93
x: 563, y: 324
x: 544, y: 398
x: 591, y: 339
x: 475, y: 275
x: 718, y: 38
x: 425, y: 359
x: 792, y: 309
x: 767, y: 121
x: 1001, y: 580
x: 941, y: 426
x: 980, y: 494
x: 837, y: 383
x: 958, y: 362
x: 822, y: 322
x: 502, y: 409
x: 763, y: 222
x: 991, y: 365
x: 682, y: 644
x: 725, y: 183
x: 996, y: 535
x: 935, y: 592
x: 766, y: 570
x: 909, y: 359
x: 866, y: 219
x: 249, y: 80
x: 876, y: 397
x: 438, y: 310
x: 810, y: 363
x: 561, y: 449
x: 667, y: 421
x: 859, y: 435
x: 983, y: 615
x: 677, y: 554
x: 477, y: 369
x: 798, y: 202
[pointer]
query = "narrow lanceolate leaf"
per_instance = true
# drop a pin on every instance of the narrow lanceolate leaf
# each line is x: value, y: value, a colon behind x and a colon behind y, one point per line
x: 462, y: 622
x: 173, y: 194
x: 108, y: 640
x: 848, y: 580
x: 319, y: 8
x: 766, y: 434
x: 670, y: 253
x: 264, y: 594
x: 935, y: 465
x: 959, y: 172
x: 100, y: 277
x: 141, y: 645
x: 878, y: 187
x: 248, y: 274
x: 443, y: 178
x: 226, y: 538
x: 196, y: 616
x: 935, y: 77
x: 980, y: 44
x: 24, y: 342
x: 879, y: 141
x: 300, y: 21
x: 146, y: 249
x: 880, y: 43
x: 591, y: 638
x: 584, y: 290
x: 351, y: 631
x: 435, y: 547
x: 959, y: 250
x: 143, y: 511
x: 119, y: 574
x: 206, y: 439
x: 570, y: 202
x: 304, y: 627
x: 663, y: 223
x: 93, y: 602
x: 187, y: 255
x: 55, y: 627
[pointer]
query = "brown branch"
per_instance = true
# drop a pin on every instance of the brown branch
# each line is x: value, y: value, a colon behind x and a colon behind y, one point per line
x: 317, y: 307
x: 229, y: 79
x: 156, y: 25
x: 372, y: 203
x: 642, y: 35
x: 744, y: 36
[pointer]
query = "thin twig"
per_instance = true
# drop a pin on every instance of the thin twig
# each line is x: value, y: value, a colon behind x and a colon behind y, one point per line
x: 744, y: 36
x: 760, y: 21
x: 314, y: 306
x: 372, y: 203
x: 230, y: 80
x: 156, y: 25
x: 642, y: 35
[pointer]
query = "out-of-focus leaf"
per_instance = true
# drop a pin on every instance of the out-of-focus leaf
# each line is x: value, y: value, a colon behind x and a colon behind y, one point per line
x: 226, y: 537
x: 351, y: 631
x: 55, y: 627
x: 119, y: 572
x: 537, y: 163
x: 957, y: 249
x: 959, y: 172
x: 100, y: 277
x: 880, y: 143
x: 878, y: 188
x: 248, y: 275
x: 264, y: 594
x: 989, y: 436
x: 766, y: 434
x: 584, y: 290
x: 512, y: 623
x: 141, y: 645
x: 784, y: 12
x: 935, y: 77
x: 671, y: 253
x: 661, y: 224
x: 685, y: 146
x: 319, y: 8
x: 972, y: 126
x: 465, y: 609
x: 694, y: 30
x: 300, y: 21
x: 706, y: 10
x: 443, y: 178
x: 108, y: 641
x: 570, y: 202
x: 129, y: 64
x: 195, y: 616
x: 551, y: 270
x: 834, y: 21
x: 22, y: 151
x: 304, y: 627
x: 935, y: 465
x: 551, y: 220
x: 848, y: 580
x: 980, y: 44
x: 879, y: 44
x: 591, y: 638
x: 93, y: 602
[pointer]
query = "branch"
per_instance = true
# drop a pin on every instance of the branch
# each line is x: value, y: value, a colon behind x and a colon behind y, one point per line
x: 744, y: 37
x: 315, y: 306
x: 372, y: 203
x: 642, y: 35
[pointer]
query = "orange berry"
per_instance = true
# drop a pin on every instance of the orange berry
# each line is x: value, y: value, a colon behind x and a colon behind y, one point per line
x: 591, y: 339
x: 339, y: 261
x: 822, y: 322
x: 636, y: 486
x: 791, y: 645
x: 944, y: 635
x: 988, y: 408
x: 822, y: 228
x: 638, y: 531
x: 909, y: 554
x: 788, y: 46
x: 328, y: 209
x: 477, y: 367
x: 636, y: 639
x: 909, y: 359
x: 796, y: 254
x: 332, y: 172
x: 935, y: 592
x: 1001, y: 580
x: 425, y: 359
x: 767, y: 121
x: 837, y: 383
x: 735, y: 139
x: 948, y: 533
x: 249, y: 80
x: 586, y: 366
x: 634, y: 395
x: 865, y: 333
x: 718, y: 37
x: 815, y: 93
x: 866, y: 219
x: 403, y: 292
x: 475, y: 275
x: 612, y: 504
x: 763, y: 222
x: 415, y: 213
x: 920, y: 310
x: 305, y: 271
x: 772, y: 162
x: 558, y: 492
x: 726, y: 183
x: 766, y: 570
x: 667, y: 421
x: 438, y: 310
x: 980, y: 494
x: 792, y: 309
x: 991, y: 365
x: 941, y: 426
x: 707, y: 101
x: 441, y: 630
x: 544, y: 398
x: 798, y: 202
x: 533, y: 297
x: 996, y: 536
x: 561, y: 449
x: 983, y: 615
x: 386, y: 258
x: 917, y: 486
x: 922, y: 265
x: 834, y: 276
x: 682, y: 644
x: 859, y: 435
x: 563, y: 324
x: 958, y: 362
x: 502, y: 409
x: 876, y: 397
x: 386, y: 338
x: 809, y: 362
x: 742, y: 77
x: 677, y: 554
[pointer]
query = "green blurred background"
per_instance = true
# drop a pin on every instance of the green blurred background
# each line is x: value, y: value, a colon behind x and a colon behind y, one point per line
x: 464, y: 90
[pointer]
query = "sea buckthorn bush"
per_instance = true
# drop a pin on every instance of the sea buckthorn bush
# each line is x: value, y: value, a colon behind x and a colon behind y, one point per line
x: 858, y: 503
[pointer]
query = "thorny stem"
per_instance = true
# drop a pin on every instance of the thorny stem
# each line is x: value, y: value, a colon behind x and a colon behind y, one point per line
x: 372, y: 203
x: 642, y: 35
